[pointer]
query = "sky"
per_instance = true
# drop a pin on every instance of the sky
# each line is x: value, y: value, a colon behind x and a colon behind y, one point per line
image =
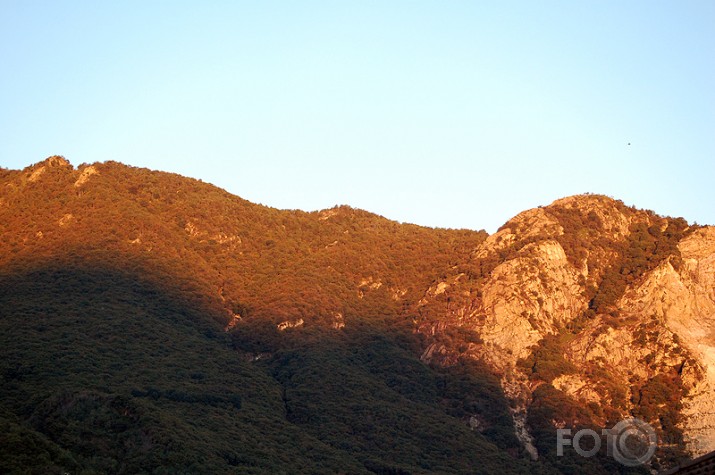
x: 455, y: 114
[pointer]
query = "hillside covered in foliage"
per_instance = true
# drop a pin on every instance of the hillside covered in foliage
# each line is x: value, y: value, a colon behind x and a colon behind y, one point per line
x: 151, y: 323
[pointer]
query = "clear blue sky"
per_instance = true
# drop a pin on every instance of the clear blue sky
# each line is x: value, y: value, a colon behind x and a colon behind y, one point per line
x: 441, y: 113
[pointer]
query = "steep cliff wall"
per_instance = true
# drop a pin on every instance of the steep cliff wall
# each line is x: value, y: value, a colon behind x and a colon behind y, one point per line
x: 609, y: 305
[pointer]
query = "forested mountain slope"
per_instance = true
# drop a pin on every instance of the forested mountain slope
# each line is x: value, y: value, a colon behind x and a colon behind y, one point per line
x: 153, y: 323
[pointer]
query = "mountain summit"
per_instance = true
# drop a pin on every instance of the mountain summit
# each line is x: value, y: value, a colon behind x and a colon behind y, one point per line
x: 154, y: 323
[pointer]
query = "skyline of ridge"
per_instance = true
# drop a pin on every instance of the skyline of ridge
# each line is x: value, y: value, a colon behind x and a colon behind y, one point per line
x: 584, y: 195
x: 451, y: 115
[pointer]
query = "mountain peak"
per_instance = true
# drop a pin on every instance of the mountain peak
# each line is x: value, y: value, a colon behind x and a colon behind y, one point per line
x: 36, y: 171
x: 584, y: 198
x: 56, y: 161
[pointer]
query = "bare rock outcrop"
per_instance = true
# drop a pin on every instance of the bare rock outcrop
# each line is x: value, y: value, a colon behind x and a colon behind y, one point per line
x: 664, y: 323
x: 529, y: 297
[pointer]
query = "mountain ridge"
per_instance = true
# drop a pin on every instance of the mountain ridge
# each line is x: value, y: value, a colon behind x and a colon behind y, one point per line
x: 582, y: 311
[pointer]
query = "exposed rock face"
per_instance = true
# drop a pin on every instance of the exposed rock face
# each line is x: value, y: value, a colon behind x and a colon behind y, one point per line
x: 528, y: 224
x: 288, y: 324
x: 39, y: 169
x: 85, y: 175
x: 65, y: 220
x: 698, y: 333
x: 57, y: 161
x: 577, y: 387
x: 665, y: 325
x: 36, y: 174
x: 681, y: 307
x: 528, y: 297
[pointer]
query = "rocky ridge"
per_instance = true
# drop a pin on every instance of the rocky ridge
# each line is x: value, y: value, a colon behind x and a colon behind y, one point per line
x: 662, y: 326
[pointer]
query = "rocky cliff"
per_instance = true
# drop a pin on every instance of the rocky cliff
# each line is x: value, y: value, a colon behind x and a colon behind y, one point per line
x: 610, y: 306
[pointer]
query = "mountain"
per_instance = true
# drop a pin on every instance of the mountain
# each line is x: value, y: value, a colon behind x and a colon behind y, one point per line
x: 152, y: 323
x: 592, y: 311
